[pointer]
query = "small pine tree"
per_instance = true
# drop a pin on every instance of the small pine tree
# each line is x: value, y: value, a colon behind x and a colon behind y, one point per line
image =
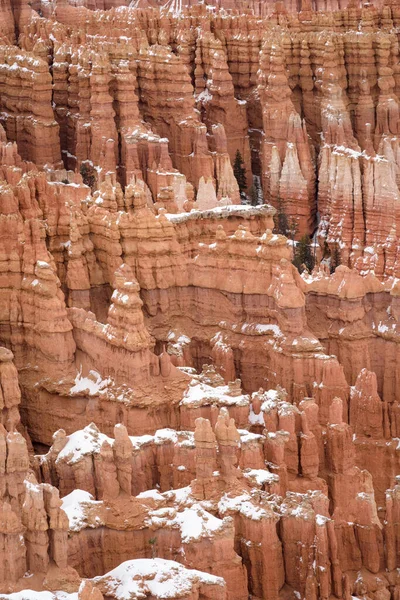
x: 281, y: 219
x: 303, y: 256
x: 88, y: 176
x: 335, y: 259
x: 293, y: 227
x: 240, y: 173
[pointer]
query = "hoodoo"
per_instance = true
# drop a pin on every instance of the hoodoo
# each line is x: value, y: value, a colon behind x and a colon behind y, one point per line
x: 199, y: 298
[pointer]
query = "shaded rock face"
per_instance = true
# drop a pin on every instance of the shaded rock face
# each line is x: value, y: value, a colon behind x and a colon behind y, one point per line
x: 34, y: 528
x: 182, y: 414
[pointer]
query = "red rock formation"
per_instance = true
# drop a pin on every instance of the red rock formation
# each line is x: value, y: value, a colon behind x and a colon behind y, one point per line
x: 188, y: 395
x: 215, y: 97
x: 366, y: 409
x: 10, y: 392
x: 286, y: 156
x: 26, y: 111
x: 33, y: 526
x: 155, y: 578
x: 7, y: 18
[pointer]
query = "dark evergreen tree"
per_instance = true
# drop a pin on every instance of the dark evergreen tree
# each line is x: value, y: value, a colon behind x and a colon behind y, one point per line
x: 335, y: 259
x: 303, y: 256
x: 293, y: 227
x: 240, y: 173
x: 88, y: 175
x: 281, y: 219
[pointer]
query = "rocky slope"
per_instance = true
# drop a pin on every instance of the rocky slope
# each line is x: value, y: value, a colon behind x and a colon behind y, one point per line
x: 184, y: 415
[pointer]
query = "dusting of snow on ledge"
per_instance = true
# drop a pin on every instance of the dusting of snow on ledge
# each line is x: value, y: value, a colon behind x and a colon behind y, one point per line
x: 194, y: 522
x: 156, y: 577
x: 93, y: 384
x: 84, y: 441
x: 200, y: 394
x: 89, y: 441
x: 152, y: 494
x: 243, y: 505
x: 222, y: 212
x: 76, y: 505
x: 261, y: 476
x: 246, y: 437
x: 33, y: 595
x: 253, y: 328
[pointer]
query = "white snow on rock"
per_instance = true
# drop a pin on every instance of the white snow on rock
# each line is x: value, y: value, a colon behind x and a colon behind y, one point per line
x: 321, y: 520
x: 33, y: 595
x: 43, y: 264
x: 153, y: 494
x: 272, y: 395
x: 178, y: 338
x: 256, y: 419
x: 181, y: 496
x: 92, y: 384
x: 82, y: 442
x: 158, y: 577
x: 260, y: 329
x: 346, y: 150
x: 89, y: 441
x: 199, y: 393
x: 76, y: 506
x: 177, y: 342
x: 247, y: 437
x: 165, y: 435
x: 261, y: 476
x: 141, y: 440
x: 220, y: 212
x: 195, y: 523
x: 271, y: 329
x: 204, y: 96
x: 243, y: 505
x: 273, y: 401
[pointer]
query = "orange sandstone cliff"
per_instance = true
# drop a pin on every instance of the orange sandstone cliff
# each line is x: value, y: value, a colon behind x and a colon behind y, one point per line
x: 183, y: 414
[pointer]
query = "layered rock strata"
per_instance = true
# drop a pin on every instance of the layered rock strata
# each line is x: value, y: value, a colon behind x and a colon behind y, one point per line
x: 182, y: 414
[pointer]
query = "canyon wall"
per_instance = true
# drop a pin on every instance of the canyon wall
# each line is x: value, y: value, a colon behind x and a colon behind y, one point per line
x: 184, y: 414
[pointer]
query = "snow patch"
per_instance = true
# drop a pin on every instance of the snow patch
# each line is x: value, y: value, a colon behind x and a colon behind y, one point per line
x: 195, y: 523
x: 33, y: 595
x: 75, y: 506
x: 199, y: 393
x: 261, y: 476
x: 153, y: 494
x: 256, y: 419
x: 157, y: 577
x: 92, y: 384
x: 243, y: 505
x: 80, y: 443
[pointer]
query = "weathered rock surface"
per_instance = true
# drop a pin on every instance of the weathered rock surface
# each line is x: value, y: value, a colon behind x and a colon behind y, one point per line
x: 183, y: 415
